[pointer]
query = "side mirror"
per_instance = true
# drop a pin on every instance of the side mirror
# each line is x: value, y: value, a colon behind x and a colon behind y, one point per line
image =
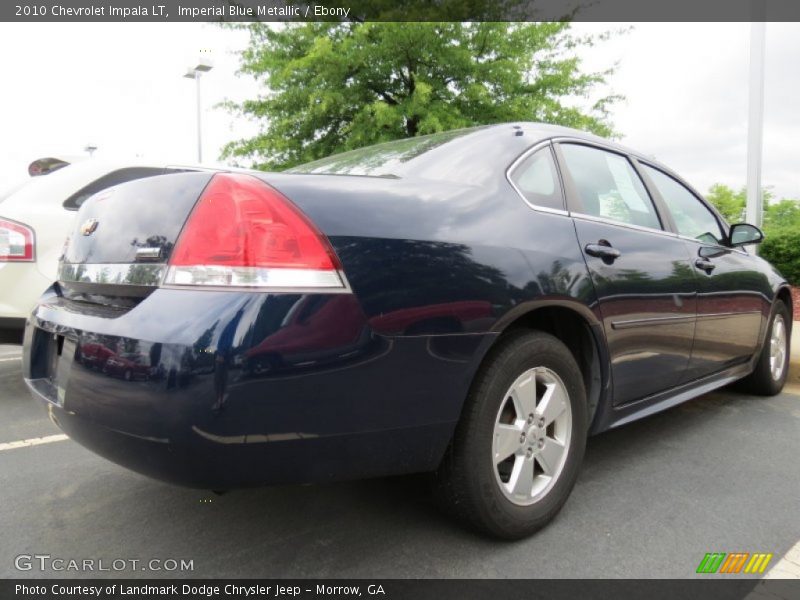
x: 742, y: 234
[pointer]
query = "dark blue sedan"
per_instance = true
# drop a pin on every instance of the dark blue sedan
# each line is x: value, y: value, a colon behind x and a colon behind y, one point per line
x: 471, y: 303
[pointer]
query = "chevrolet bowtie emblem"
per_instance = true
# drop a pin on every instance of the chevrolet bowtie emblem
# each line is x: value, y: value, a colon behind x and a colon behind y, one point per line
x: 89, y: 227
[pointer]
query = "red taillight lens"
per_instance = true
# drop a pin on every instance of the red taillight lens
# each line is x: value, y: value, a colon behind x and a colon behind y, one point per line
x: 16, y: 242
x: 242, y: 232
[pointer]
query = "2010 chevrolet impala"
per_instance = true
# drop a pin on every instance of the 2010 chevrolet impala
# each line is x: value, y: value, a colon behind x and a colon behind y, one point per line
x: 472, y: 303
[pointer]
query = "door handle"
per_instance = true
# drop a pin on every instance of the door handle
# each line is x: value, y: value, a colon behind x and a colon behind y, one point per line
x: 705, y: 265
x: 603, y: 250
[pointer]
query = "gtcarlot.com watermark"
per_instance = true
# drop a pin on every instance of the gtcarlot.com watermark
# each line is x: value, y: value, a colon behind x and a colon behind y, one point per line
x: 48, y: 563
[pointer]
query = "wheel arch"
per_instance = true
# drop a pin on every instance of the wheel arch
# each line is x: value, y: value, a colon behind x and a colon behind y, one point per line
x: 577, y: 327
x: 784, y: 294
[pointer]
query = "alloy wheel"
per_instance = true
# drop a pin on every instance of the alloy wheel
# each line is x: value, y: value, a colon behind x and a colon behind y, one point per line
x: 531, y: 436
x: 777, y: 348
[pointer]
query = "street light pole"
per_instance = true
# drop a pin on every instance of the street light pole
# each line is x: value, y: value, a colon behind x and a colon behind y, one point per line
x: 755, y: 123
x: 203, y: 66
x: 199, y: 119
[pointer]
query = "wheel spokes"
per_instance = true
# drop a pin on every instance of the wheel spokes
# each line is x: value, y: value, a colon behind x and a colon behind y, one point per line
x: 506, y: 441
x: 549, y: 456
x: 552, y: 404
x: 524, y: 396
x: 521, y: 482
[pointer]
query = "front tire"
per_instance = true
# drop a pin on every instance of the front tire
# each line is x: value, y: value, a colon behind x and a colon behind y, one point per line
x: 772, y: 368
x: 517, y: 449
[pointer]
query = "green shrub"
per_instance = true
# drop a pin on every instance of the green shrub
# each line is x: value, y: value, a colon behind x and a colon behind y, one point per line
x: 782, y: 249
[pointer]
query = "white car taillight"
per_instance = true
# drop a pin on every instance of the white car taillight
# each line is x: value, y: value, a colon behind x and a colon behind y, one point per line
x: 244, y: 233
x: 16, y: 242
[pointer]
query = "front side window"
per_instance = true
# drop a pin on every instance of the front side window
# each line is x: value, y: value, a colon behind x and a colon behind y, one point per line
x: 692, y: 218
x: 536, y: 178
x: 609, y: 187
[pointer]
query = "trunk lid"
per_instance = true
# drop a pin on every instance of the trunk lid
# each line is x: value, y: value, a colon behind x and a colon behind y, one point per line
x: 123, y: 237
x: 115, y: 225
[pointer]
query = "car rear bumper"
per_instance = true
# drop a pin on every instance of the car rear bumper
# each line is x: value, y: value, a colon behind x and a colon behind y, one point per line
x: 197, y: 412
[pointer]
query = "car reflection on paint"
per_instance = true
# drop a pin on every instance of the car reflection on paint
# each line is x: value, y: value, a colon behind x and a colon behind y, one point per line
x: 332, y: 325
x: 93, y: 355
x: 128, y: 366
x: 433, y: 318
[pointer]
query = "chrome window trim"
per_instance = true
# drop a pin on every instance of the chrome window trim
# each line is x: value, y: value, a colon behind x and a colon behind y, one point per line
x: 605, y: 221
x: 608, y: 146
x: 627, y: 157
x: 519, y: 160
x: 737, y: 249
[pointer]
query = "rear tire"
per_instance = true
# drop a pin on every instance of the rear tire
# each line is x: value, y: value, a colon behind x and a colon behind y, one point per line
x: 772, y: 368
x: 485, y: 478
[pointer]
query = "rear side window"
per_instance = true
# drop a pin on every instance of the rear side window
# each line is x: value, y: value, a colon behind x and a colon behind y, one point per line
x: 537, y: 180
x: 609, y: 187
x: 106, y: 181
x: 692, y: 218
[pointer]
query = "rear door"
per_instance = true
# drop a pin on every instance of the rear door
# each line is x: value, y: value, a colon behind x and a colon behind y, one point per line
x: 644, y: 283
x: 733, y: 294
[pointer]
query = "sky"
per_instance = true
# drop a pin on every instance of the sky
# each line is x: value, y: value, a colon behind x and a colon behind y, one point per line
x: 119, y: 86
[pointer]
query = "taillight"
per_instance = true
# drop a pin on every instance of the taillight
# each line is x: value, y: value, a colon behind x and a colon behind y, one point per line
x: 16, y: 242
x: 244, y: 233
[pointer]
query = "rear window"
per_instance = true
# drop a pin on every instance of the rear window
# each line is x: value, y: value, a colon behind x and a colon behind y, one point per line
x: 381, y: 160
x: 106, y: 181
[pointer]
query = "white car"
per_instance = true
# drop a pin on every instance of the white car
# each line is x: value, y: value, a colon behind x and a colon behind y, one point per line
x: 35, y: 219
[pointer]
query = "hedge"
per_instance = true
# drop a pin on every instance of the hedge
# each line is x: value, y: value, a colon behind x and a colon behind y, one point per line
x: 782, y: 249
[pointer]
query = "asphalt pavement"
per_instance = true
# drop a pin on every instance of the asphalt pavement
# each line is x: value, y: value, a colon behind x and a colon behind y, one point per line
x: 719, y: 473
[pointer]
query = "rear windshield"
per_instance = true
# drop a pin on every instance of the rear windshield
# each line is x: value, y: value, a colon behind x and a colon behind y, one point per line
x: 381, y: 160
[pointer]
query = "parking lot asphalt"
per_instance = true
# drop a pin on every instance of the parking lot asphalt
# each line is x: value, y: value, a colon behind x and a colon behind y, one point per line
x: 719, y: 473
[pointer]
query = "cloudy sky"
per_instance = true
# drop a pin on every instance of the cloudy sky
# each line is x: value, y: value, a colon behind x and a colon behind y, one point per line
x: 119, y: 86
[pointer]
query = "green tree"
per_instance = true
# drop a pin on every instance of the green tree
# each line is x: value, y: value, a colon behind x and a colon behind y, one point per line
x: 784, y: 214
x: 778, y: 214
x: 727, y: 201
x: 331, y: 87
x: 732, y: 204
x: 782, y: 249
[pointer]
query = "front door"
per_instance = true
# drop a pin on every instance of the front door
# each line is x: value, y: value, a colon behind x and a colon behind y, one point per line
x: 733, y: 295
x: 643, y: 279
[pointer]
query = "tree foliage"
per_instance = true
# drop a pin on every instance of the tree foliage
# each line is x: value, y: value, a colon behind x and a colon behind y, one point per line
x: 728, y: 202
x: 782, y: 215
x: 778, y: 214
x: 781, y: 224
x: 330, y: 87
x: 782, y: 249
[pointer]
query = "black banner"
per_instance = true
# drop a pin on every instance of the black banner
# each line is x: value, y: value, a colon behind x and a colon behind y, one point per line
x: 398, y: 589
x: 398, y: 10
